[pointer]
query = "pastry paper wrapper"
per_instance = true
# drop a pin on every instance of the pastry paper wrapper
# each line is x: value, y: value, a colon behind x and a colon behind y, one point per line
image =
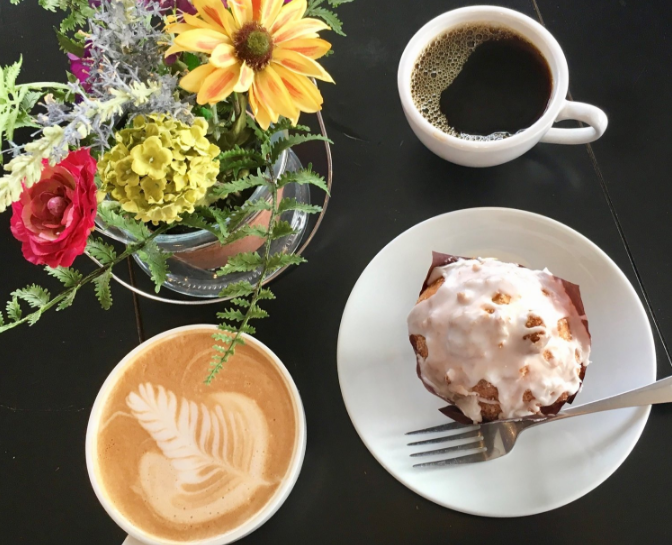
x: 573, y: 292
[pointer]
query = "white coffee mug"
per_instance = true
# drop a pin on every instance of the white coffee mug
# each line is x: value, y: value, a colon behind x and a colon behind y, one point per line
x: 485, y: 154
x: 135, y: 535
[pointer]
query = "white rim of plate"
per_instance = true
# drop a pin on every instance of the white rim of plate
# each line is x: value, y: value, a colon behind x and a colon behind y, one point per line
x: 640, y: 424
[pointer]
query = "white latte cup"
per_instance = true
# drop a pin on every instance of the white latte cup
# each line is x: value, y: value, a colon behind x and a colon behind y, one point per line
x: 486, y: 154
x: 135, y: 535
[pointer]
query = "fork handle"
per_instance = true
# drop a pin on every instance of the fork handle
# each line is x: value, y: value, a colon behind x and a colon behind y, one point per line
x: 658, y: 392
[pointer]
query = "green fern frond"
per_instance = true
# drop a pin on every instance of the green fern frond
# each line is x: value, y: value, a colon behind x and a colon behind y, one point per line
x: 293, y: 140
x: 304, y: 176
x: 289, y: 203
x: 99, y: 250
x: 282, y: 260
x: 68, y: 276
x: 237, y: 289
x: 330, y: 18
x: 243, y: 262
x: 14, y: 312
x: 102, y: 289
x: 36, y: 296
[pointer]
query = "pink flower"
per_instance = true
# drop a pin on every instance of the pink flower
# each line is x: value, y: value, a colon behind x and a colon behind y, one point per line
x: 54, y: 217
x: 81, y: 67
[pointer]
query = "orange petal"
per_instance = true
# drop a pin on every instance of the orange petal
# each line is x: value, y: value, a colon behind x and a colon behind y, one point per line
x: 178, y: 28
x: 256, y: 10
x: 272, y: 93
x: 242, y: 11
x: 304, y: 93
x: 298, y: 29
x: 197, y: 22
x: 202, y: 39
x: 245, y: 79
x: 193, y: 80
x: 308, y: 47
x: 223, y: 56
x: 263, y: 116
x: 214, y: 12
x: 268, y: 11
x: 288, y: 14
x: 301, y: 65
x: 218, y: 85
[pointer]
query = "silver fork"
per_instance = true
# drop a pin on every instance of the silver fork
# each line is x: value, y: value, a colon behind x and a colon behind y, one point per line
x: 480, y: 443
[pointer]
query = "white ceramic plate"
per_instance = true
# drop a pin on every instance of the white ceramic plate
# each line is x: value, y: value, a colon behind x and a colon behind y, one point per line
x: 551, y: 465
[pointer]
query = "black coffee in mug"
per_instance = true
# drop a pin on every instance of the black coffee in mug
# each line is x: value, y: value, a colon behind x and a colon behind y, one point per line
x: 481, y: 82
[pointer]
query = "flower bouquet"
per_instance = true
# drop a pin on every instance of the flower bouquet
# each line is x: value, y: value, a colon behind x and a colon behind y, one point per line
x: 172, y: 135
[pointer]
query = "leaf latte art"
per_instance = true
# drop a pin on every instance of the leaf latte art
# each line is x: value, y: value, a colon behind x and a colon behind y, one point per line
x: 184, y: 461
x: 212, y: 457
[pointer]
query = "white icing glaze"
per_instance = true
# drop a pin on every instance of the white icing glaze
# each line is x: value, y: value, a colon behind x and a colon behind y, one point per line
x: 466, y: 343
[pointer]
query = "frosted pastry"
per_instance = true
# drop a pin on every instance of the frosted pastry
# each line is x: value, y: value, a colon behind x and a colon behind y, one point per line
x: 497, y: 340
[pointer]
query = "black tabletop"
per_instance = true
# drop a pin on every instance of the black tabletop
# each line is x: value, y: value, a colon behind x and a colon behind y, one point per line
x: 614, y: 191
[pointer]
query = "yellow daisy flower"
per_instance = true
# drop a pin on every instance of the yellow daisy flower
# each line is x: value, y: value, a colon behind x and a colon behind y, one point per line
x: 261, y: 47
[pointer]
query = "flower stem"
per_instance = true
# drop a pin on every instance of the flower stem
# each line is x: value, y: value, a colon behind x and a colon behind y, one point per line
x: 130, y: 250
x: 45, y: 85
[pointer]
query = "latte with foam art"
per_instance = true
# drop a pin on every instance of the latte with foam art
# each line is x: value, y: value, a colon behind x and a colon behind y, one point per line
x: 184, y: 461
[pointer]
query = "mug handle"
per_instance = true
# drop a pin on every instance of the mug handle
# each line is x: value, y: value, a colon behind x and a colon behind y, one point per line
x: 587, y: 113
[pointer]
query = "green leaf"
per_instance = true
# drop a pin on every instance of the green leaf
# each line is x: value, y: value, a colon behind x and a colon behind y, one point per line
x: 112, y: 215
x: 305, y: 176
x: 36, y: 296
x: 336, y: 3
x: 34, y: 317
x: 11, y: 73
x: 330, y: 18
x: 68, y: 45
x: 101, y: 251
x: 289, y: 203
x: 293, y: 140
x: 240, y: 302
x: 157, y: 261
x: 14, y: 312
x: 247, y: 328
x: 285, y: 124
x: 239, y: 158
x: 243, y: 212
x: 30, y: 99
x: 2, y: 319
x: 243, y: 262
x: 265, y: 293
x: 102, y: 288
x: 282, y: 229
x: 197, y: 221
x: 68, y: 276
x: 222, y: 219
x: 69, y: 299
x: 224, y: 190
x: 246, y: 231
x: 256, y: 313
x: 237, y: 289
x: 282, y: 260
x: 232, y: 315
x: 192, y: 61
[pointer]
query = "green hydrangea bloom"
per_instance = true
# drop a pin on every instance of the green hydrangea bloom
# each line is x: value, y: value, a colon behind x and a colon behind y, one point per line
x: 160, y: 167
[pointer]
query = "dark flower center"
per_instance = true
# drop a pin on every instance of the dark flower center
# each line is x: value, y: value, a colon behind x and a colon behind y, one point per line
x: 254, y: 46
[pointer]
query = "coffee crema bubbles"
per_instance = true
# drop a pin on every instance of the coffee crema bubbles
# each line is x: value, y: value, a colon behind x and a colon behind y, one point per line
x: 184, y: 461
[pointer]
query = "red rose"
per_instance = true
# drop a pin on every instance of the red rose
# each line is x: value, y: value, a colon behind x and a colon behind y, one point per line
x: 54, y: 217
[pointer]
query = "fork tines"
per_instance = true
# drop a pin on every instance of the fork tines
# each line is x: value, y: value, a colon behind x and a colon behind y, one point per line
x: 469, y: 447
